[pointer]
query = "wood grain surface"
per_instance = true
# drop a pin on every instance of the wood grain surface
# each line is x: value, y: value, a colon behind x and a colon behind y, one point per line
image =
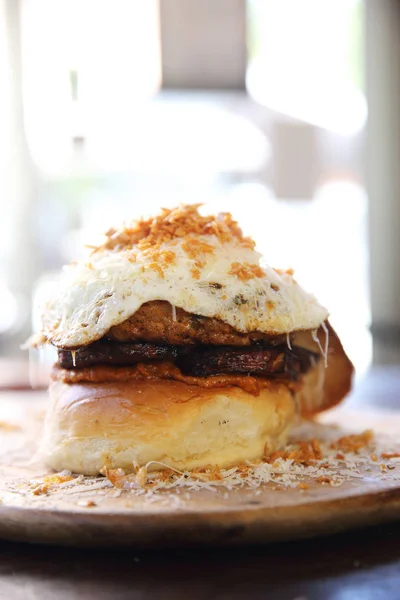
x: 94, y: 513
x: 362, y: 564
x: 353, y: 566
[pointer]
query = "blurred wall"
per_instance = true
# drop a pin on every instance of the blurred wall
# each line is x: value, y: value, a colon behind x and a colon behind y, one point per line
x: 18, y: 180
x: 383, y: 175
x: 203, y: 44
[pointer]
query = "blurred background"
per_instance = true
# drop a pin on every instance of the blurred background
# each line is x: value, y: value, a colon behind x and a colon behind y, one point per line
x: 110, y: 109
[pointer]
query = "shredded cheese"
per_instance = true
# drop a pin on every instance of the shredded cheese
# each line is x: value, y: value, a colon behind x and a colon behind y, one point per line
x: 301, y: 465
x: 319, y: 458
x: 324, y: 351
x: 326, y: 330
x: 289, y: 345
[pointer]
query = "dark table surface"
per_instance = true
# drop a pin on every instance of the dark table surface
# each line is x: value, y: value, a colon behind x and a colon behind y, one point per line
x: 354, y: 566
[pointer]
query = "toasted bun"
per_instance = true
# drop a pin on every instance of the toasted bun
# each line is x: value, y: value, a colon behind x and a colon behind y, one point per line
x: 90, y: 426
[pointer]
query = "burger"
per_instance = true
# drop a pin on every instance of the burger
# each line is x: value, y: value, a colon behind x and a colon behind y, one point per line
x: 178, y: 346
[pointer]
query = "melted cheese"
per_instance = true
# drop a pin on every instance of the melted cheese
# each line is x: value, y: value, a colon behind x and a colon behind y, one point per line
x: 226, y: 283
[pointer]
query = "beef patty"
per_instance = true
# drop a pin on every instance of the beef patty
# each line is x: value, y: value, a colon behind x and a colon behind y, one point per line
x: 205, y: 360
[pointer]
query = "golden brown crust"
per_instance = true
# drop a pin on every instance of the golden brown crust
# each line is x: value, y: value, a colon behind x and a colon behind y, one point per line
x: 123, y: 401
x: 92, y: 426
x: 156, y: 321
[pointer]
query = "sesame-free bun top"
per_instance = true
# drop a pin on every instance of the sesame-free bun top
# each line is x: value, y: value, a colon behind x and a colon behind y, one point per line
x: 202, y: 264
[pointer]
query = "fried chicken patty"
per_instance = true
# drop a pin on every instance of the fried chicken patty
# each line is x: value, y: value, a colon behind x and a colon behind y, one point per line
x: 157, y: 322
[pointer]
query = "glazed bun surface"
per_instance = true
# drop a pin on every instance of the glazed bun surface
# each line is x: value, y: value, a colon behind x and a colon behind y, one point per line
x: 92, y: 426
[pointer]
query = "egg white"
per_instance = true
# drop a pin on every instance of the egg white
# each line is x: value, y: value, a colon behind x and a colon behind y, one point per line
x: 92, y: 296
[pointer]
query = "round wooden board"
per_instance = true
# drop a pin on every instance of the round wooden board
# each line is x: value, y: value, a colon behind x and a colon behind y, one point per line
x: 94, y: 513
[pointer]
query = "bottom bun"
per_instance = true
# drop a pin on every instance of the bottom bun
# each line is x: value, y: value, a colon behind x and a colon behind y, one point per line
x: 92, y: 426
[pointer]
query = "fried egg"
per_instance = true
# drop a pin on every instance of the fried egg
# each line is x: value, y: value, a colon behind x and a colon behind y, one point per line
x: 198, y: 269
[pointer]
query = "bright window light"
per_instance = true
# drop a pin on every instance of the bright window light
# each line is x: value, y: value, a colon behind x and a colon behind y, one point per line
x: 306, y: 61
x: 86, y: 62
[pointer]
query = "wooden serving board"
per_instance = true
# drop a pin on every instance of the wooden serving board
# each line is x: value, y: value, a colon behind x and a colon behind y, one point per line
x: 92, y: 512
